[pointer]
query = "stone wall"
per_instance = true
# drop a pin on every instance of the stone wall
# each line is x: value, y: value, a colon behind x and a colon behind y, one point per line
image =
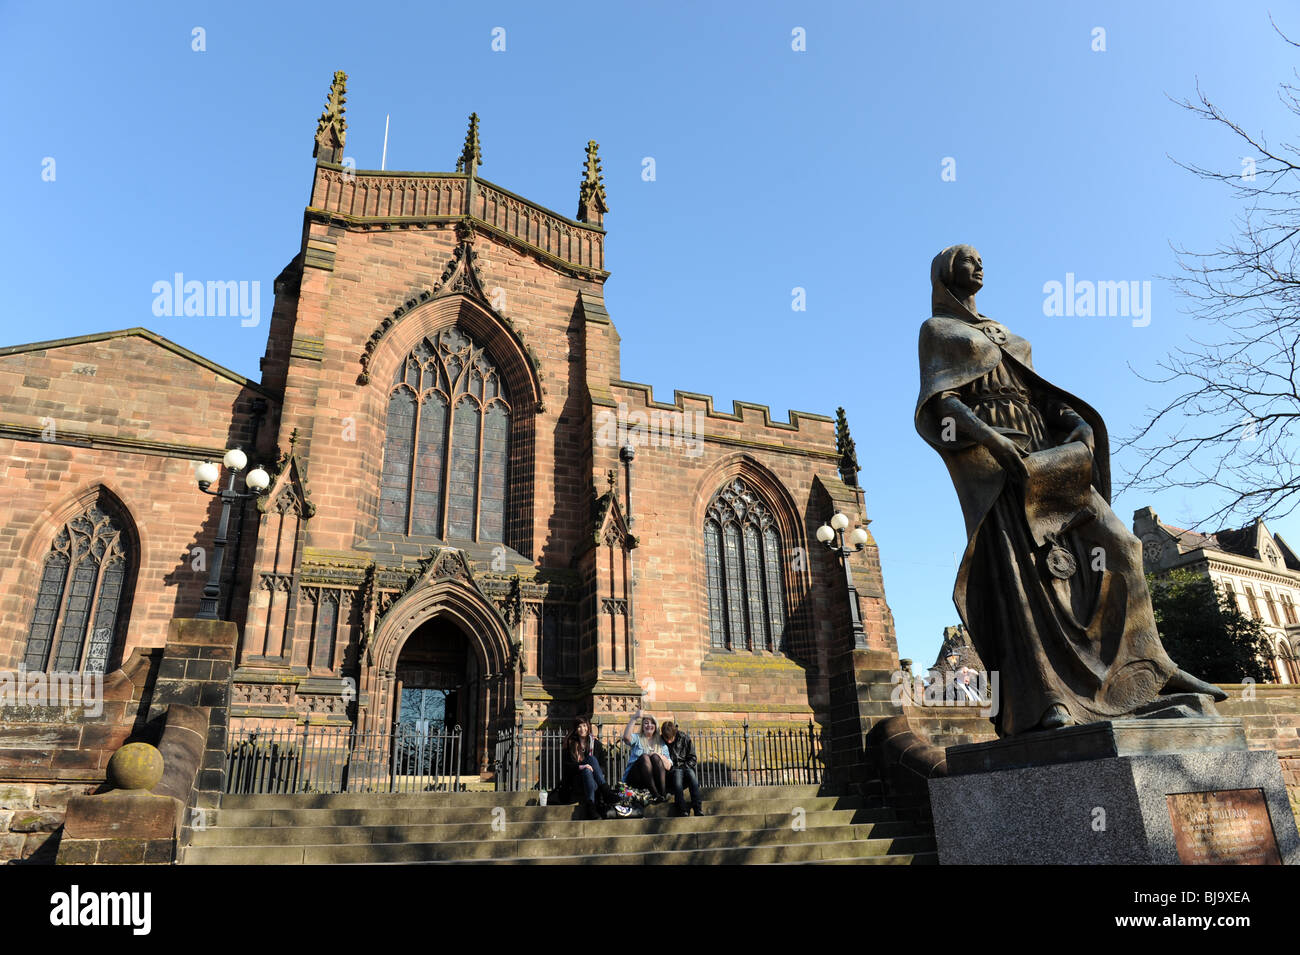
x: 1272, y: 716
x: 51, y: 754
x: 31, y: 815
x: 122, y: 416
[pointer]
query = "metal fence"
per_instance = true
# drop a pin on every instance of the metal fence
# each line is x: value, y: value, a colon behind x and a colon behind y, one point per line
x: 528, y: 759
x: 414, y: 757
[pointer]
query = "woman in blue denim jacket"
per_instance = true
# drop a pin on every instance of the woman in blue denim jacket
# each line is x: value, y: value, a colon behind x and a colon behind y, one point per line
x: 648, y: 761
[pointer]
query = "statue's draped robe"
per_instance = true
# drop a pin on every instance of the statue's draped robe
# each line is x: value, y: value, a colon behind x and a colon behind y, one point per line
x: 1085, y: 639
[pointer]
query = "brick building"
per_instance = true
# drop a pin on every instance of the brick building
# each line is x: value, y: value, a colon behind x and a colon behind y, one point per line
x: 454, y: 527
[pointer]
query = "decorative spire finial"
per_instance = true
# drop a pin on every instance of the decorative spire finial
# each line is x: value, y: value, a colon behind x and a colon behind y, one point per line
x: 846, y: 449
x: 471, y: 156
x: 332, y: 128
x: 611, y: 482
x: 591, y: 197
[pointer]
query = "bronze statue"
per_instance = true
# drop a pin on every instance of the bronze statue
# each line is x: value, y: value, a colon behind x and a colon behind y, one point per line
x: 1051, y: 585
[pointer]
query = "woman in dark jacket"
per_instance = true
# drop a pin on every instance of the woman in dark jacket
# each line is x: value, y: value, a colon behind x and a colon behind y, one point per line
x: 582, y: 777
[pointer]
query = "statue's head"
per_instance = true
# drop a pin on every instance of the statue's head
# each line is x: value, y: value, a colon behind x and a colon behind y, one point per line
x: 959, y: 269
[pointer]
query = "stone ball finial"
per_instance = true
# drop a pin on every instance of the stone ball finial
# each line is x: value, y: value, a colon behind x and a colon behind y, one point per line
x: 135, y: 766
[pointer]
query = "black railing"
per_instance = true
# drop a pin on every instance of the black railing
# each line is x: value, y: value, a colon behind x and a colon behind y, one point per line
x: 336, y: 759
x: 528, y: 759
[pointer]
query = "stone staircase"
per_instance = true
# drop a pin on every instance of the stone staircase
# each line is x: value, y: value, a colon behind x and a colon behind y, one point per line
x: 753, y: 825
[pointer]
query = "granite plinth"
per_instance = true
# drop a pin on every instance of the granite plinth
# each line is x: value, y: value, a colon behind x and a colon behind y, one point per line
x: 1073, y: 744
x: 1113, y: 810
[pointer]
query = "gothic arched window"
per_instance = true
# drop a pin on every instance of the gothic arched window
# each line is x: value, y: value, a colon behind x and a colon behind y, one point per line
x: 446, y: 447
x: 85, y: 587
x: 742, y: 554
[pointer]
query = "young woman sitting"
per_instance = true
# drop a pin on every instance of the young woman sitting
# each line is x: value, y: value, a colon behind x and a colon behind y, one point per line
x: 582, y: 777
x: 648, y: 761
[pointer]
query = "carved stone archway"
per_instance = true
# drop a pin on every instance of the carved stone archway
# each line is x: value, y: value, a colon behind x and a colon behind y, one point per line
x: 445, y: 589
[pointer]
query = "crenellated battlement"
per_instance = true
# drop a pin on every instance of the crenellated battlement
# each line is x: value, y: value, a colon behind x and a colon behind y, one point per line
x: 692, y: 402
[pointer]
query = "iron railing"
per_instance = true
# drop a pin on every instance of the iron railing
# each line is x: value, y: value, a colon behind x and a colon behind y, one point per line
x: 414, y: 757
x: 528, y: 759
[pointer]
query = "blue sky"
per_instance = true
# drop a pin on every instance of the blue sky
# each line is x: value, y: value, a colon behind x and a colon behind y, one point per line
x: 775, y: 169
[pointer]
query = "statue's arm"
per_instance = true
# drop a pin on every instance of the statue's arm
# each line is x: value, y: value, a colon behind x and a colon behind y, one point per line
x: 968, y: 427
x: 1057, y: 414
x: 956, y: 418
x: 1060, y: 416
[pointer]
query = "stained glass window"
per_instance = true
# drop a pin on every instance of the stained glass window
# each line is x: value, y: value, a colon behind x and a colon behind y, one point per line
x: 79, y: 618
x: 742, y: 554
x: 447, y: 444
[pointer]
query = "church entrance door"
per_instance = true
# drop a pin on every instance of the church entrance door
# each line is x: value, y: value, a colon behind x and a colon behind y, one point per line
x: 438, y: 690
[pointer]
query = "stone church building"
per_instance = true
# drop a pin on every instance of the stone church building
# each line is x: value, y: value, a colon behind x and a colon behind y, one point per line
x: 469, y: 507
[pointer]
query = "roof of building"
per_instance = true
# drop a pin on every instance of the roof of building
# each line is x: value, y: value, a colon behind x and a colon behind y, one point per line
x: 148, y: 336
x: 1242, y: 541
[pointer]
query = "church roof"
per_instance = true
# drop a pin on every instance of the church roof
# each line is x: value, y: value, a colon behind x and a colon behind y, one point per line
x: 148, y: 336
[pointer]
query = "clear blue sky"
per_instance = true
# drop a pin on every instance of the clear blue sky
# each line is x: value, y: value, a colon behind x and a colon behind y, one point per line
x: 775, y: 169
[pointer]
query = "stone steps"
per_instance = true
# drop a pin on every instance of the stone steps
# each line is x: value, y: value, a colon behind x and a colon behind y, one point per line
x: 470, y: 815
x: 866, y: 852
x: 759, y: 825
x: 764, y: 846
x: 419, y: 800
x: 862, y: 822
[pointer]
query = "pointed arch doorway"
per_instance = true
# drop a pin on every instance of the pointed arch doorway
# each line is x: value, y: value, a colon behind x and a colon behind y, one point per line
x: 438, y: 687
x: 461, y: 653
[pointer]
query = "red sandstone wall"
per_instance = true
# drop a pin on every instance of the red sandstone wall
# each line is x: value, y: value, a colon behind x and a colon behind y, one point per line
x: 135, y: 417
x: 672, y: 484
x: 375, y: 272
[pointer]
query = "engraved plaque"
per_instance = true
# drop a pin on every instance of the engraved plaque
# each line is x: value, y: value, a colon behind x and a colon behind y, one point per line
x: 1228, y: 827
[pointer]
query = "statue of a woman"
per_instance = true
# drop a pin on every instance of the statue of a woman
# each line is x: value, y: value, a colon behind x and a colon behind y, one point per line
x: 1051, y: 585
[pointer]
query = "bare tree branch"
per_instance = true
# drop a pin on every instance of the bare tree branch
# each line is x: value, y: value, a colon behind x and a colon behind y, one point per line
x: 1234, y: 424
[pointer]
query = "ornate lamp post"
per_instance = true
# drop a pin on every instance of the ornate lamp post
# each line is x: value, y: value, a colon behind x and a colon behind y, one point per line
x: 832, y: 535
x: 257, y: 481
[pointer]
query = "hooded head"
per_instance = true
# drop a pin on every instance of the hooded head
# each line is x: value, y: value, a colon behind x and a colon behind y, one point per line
x: 956, y: 272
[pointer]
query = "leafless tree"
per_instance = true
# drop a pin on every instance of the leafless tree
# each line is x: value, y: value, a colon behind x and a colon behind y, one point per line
x: 1234, y: 424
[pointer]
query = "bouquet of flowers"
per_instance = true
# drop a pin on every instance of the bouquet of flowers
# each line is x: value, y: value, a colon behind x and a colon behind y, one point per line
x: 630, y: 802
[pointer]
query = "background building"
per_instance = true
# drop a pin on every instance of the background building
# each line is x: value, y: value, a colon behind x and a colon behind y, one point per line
x: 1253, y: 564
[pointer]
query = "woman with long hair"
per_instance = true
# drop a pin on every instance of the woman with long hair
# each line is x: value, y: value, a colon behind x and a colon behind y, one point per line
x: 582, y: 775
x: 648, y: 761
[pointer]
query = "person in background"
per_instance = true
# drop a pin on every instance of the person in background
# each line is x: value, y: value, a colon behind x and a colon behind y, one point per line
x: 961, y: 691
x: 682, y: 752
x: 648, y: 761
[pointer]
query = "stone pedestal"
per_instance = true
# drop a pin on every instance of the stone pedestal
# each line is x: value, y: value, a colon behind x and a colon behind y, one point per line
x: 1130, y: 792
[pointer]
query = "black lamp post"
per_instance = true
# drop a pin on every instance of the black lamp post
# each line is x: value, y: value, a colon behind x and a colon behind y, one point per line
x: 257, y: 481
x: 832, y: 535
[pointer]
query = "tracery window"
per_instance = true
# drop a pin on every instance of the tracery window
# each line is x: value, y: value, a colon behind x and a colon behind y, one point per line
x: 742, y: 554
x: 446, y: 445
x: 80, y: 604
